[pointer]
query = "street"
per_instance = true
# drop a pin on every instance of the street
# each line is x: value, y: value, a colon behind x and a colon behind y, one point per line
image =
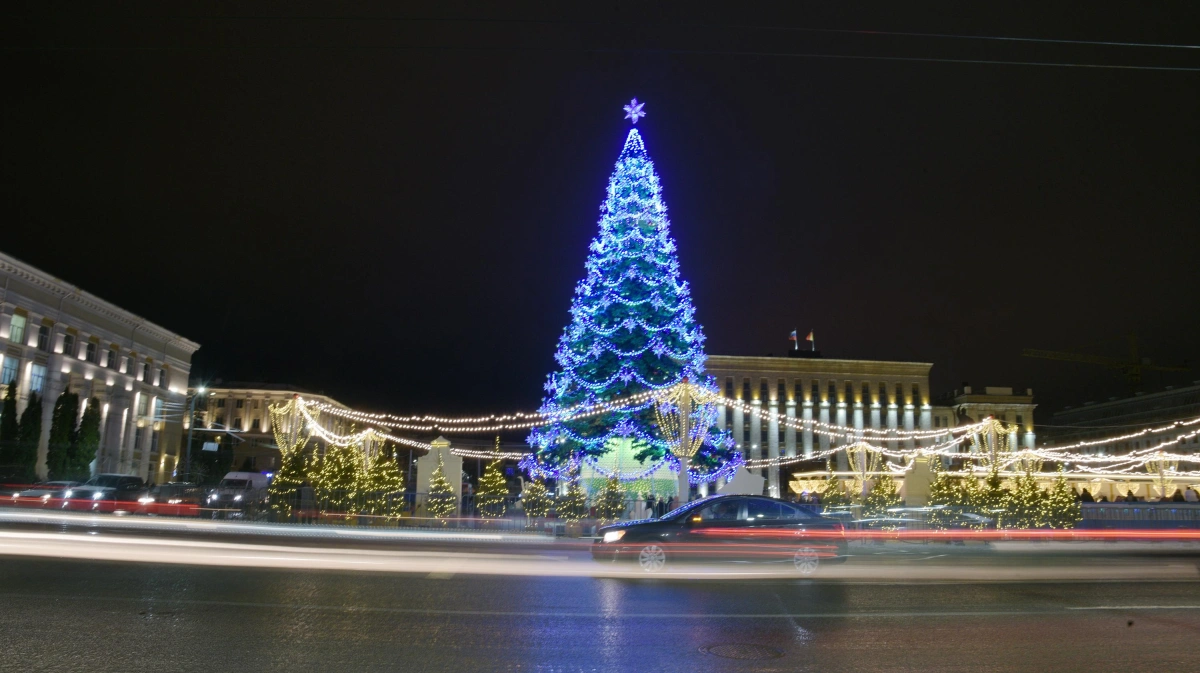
x: 68, y: 615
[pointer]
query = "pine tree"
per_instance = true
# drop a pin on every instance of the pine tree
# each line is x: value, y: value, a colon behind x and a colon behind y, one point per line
x: 385, y: 484
x: 834, y: 494
x: 341, y: 479
x: 883, y: 496
x: 632, y: 328
x: 283, y: 491
x: 572, y: 505
x: 29, y: 431
x: 8, y: 426
x: 536, y: 499
x: 87, y: 440
x: 1026, y: 503
x: 611, y: 504
x: 62, y: 435
x: 440, y: 502
x: 949, y: 497
x: 1062, y: 509
x: 990, y: 499
x: 493, y: 491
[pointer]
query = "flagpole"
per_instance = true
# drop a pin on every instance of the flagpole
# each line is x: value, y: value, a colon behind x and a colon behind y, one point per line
x: 796, y: 333
x: 813, y: 341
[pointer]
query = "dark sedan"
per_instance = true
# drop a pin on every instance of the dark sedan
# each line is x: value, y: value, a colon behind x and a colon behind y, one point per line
x: 735, y: 528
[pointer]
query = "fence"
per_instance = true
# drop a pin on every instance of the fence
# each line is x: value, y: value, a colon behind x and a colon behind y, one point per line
x: 1141, y: 515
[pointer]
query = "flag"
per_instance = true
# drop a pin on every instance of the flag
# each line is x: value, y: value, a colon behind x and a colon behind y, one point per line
x: 807, y: 338
x: 793, y: 337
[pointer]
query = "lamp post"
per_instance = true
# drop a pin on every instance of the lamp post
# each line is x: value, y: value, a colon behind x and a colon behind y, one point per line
x: 191, y: 426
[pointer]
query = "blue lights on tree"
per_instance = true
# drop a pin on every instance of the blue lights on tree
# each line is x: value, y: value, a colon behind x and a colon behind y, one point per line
x: 632, y: 330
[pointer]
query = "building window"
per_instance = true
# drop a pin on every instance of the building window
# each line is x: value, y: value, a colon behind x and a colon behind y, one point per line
x: 69, y: 344
x: 92, y: 353
x: 237, y: 424
x: 8, y: 373
x: 916, y: 394
x: 154, y: 441
x: 112, y: 359
x: 220, y: 422
x: 37, y: 378
x: 143, y: 406
x: 1020, y: 420
x: 16, y: 332
x: 221, y: 403
x: 254, y: 426
x: 43, y: 340
x: 239, y: 403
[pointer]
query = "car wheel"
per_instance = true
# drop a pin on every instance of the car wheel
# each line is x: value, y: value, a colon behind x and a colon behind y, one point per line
x: 806, y: 561
x: 652, y: 558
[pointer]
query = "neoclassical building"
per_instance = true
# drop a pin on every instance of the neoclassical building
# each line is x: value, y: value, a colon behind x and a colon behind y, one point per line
x: 849, y: 393
x: 57, y: 337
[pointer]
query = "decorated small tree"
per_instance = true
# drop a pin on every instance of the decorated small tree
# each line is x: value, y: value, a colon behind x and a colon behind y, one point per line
x: 611, y: 504
x: 949, y: 497
x: 990, y: 498
x: 1026, y: 503
x: 883, y: 496
x: 1062, y: 509
x: 572, y: 506
x: 385, y: 484
x: 440, y: 502
x: 536, y: 499
x: 341, y: 479
x: 492, y: 495
x: 834, y: 494
x: 283, y: 491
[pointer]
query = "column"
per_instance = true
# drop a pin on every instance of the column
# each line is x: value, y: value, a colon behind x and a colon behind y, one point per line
x: 755, y: 431
x: 875, y: 416
x: 789, y: 432
x: 893, y: 421
x: 720, y: 426
x: 147, y: 437
x: 927, y: 423
x: 824, y: 418
x: 858, y: 419
x: 807, y: 437
x: 739, y: 429
x: 909, y: 424
x: 1030, y: 440
x: 841, y: 421
x: 773, y: 449
x: 125, y: 464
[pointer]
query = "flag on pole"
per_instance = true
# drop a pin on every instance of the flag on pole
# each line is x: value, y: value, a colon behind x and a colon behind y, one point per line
x: 793, y: 337
x: 807, y: 338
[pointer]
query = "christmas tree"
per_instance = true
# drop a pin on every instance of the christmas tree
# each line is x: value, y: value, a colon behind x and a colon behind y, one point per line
x: 991, y: 498
x: 572, y: 506
x: 440, y: 502
x: 493, y: 491
x: 1062, y: 509
x: 883, y: 496
x: 536, y: 499
x: 1026, y: 503
x: 341, y: 479
x: 283, y: 491
x: 611, y: 504
x: 632, y: 330
x: 834, y: 494
x: 385, y: 484
x: 949, y: 496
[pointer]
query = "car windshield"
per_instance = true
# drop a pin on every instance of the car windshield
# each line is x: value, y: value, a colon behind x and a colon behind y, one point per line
x: 234, y: 483
x: 680, y: 511
x: 105, y: 480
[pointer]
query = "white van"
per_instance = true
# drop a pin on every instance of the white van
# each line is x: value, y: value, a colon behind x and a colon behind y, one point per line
x: 239, y: 490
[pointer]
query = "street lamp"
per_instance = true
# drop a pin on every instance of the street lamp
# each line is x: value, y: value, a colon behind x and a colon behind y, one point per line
x: 191, y: 426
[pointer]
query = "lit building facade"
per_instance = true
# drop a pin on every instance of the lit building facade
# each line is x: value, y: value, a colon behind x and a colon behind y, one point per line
x: 57, y: 337
x: 1122, y: 417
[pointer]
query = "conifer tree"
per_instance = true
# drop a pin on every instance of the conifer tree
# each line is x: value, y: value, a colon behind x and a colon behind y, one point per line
x: 1062, y: 509
x: 611, y: 504
x: 29, y: 431
x: 62, y: 436
x: 834, y: 495
x: 572, y: 505
x: 990, y: 499
x: 536, y: 499
x: 8, y: 426
x: 341, y: 479
x: 883, y: 496
x: 492, y: 495
x: 1026, y: 503
x: 440, y: 502
x: 385, y: 484
x: 949, y: 496
x: 283, y: 491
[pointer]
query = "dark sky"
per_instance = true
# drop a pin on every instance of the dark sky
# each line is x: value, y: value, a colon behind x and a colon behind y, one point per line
x: 392, y: 203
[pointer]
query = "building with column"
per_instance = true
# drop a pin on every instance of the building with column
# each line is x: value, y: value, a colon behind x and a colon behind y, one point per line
x: 969, y: 404
x: 1142, y: 421
x: 238, y: 413
x: 57, y: 337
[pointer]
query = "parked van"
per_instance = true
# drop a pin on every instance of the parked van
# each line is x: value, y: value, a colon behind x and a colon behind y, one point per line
x: 239, y: 491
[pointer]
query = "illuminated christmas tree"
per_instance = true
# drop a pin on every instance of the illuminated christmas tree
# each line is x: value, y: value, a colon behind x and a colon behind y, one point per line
x: 283, y: 491
x: 536, y: 499
x: 610, y: 506
x: 883, y: 496
x: 1026, y: 503
x: 441, y: 500
x: 385, y: 483
x: 492, y: 495
x: 341, y: 479
x: 572, y: 505
x: 1062, y: 509
x: 632, y: 330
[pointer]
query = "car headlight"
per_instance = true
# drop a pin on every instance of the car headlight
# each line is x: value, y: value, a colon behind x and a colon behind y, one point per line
x: 68, y: 494
x: 45, y: 496
x: 237, y: 497
x: 614, y: 535
x: 97, y: 495
x: 145, y: 500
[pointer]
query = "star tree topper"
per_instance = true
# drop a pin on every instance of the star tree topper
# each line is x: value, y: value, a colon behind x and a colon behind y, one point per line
x: 634, y: 110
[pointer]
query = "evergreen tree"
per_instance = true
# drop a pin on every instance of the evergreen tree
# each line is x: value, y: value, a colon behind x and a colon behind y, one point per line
x: 29, y: 431
x: 611, y: 504
x: 883, y: 496
x: 632, y: 329
x: 62, y: 435
x: 536, y: 499
x: 441, y: 501
x: 572, y: 505
x: 950, y: 497
x: 1062, y: 509
x: 493, y: 491
x: 385, y: 484
x: 283, y: 491
x: 834, y: 494
x: 340, y: 479
x: 991, y: 498
x: 8, y: 426
x: 87, y: 441
x: 1026, y: 503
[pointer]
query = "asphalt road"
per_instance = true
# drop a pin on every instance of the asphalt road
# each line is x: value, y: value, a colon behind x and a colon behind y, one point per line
x: 78, y: 615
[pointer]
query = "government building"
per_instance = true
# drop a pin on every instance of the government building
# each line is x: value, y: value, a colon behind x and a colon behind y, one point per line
x: 57, y: 337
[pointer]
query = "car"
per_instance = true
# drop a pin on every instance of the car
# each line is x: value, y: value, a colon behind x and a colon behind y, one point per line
x: 727, y: 528
x: 237, y: 493
x: 106, y: 493
x: 41, y: 494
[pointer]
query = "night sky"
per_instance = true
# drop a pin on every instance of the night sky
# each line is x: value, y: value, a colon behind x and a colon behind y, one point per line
x: 392, y: 204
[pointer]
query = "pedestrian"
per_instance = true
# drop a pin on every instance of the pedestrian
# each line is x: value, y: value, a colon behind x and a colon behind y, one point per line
x: 670, y: 504
x: 1190, y: 495
x: 650, y: 512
